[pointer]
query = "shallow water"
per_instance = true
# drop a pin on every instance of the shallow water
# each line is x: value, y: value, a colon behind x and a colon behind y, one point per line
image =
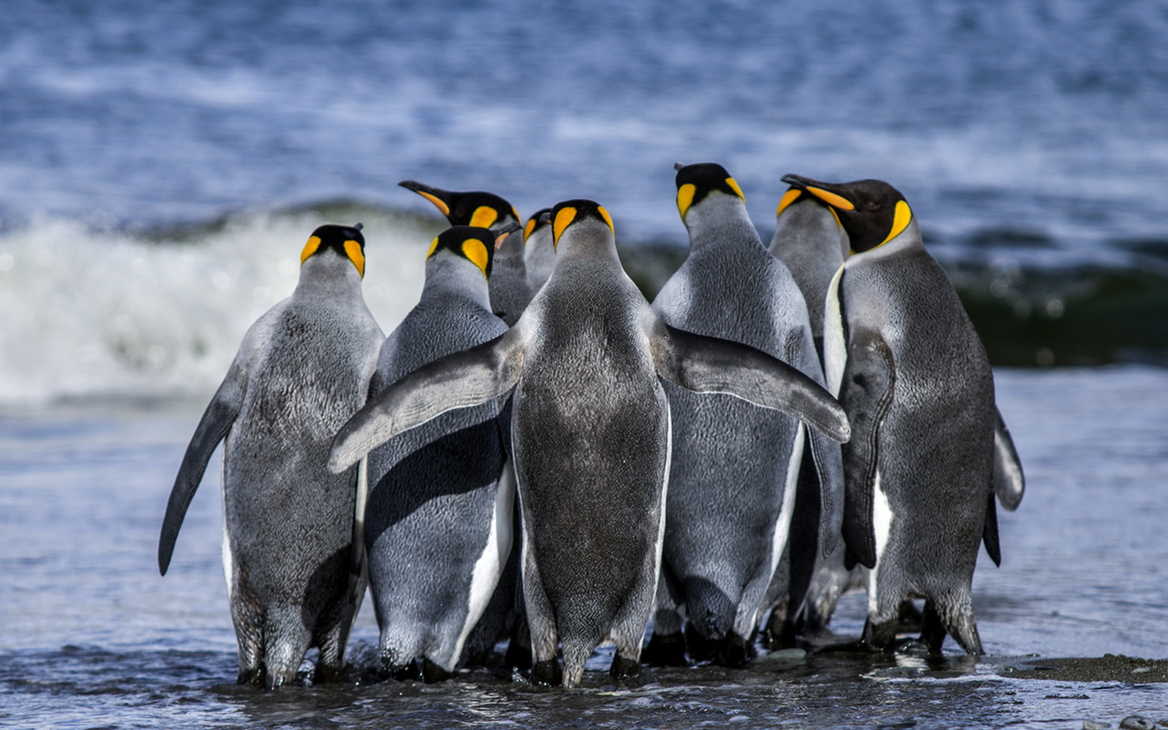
x: 94, y: 637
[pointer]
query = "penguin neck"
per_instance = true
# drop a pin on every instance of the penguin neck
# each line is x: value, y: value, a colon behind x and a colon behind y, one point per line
x: 588, y: 240
x: 908, y: 241
x: 449, y: 275
x: 328, y: 275
x: 809, y: 226
x: 540, y: 240
x: 720, y: 222
x: 510, y: 250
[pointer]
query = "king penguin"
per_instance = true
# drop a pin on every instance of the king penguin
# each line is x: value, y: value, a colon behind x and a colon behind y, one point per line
x: 811, y: 242
x: 913, y: 375
x: 508, y: 285
x: 292, y: 542
x: 539, y: 256
x: 735, y: 465
x: 590, y: 436
x: 439, y: 518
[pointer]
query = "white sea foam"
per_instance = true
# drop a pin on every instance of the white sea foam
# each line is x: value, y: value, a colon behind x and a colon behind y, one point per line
x: 106, y: 314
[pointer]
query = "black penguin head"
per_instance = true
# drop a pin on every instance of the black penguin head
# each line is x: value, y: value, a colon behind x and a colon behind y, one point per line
x: 346, y: 241
x: 474, y: 208
x: 538, y: 219
x: 473, y: 243
x: 695, y: 182
x: 567, y: 212
x: 871, y: 211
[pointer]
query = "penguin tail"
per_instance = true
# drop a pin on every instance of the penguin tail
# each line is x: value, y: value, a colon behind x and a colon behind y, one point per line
x: 951, y: 614
x: 285, y: 642
x: 576, y: 653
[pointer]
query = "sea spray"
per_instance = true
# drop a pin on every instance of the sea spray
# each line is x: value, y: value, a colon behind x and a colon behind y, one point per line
x: 93, y: 314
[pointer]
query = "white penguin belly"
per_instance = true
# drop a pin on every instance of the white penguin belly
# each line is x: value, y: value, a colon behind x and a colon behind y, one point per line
x: 487, y: 568
x: 783, y: 524
x: 835, y: 349
x: 664, y: 493
x: 228, y: 564
x: 782, y: 528
x: 228, y: 558
x: 882, y: 526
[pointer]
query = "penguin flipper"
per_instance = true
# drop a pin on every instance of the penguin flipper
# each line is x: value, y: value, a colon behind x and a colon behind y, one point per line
x: 461, y: 380
x: 866, y: 393
x: 1009, y: 481
x: 213, y: 427
x: 829, y: 471
x: 711, y: 365
x: 989, y: 532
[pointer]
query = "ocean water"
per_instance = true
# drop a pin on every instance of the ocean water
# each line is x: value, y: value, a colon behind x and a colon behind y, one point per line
x: 162, y: 164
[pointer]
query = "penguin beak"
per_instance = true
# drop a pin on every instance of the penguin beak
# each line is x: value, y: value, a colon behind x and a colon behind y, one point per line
x: 439, y: 197
x: 833, y: 195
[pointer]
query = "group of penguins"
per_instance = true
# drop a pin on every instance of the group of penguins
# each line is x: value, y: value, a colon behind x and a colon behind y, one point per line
x: 538, y: 454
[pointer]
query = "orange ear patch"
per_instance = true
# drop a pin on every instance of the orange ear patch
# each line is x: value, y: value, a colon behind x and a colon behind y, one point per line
x: 564, y: 218
x: 309, y: 248
x: 788, y: 197
x: 356, y: 255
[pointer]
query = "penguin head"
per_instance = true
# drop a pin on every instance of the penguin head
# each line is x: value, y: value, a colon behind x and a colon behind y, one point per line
x: 346, y: 241
x: 473, y: 243
x: 568, y: 213
x: 474, y: 208
x: 538, y: 220
x: 696, y: 182
x: 872, y: 212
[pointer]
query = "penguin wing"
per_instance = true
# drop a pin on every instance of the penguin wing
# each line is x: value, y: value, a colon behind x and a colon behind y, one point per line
x: 866, y: 393
x: 213, y: 427
x: 1009, y: 481
x: 461, y: 380
x: 989, y: 531
x: 829, y: 469
x: 711, y: 365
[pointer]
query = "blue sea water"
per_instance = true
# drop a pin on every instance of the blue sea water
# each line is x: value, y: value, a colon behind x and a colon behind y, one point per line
x: 162, y: 162
x: 1045, y: 116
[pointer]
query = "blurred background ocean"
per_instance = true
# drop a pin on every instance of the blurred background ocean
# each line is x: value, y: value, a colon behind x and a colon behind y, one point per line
x: 162, y: 162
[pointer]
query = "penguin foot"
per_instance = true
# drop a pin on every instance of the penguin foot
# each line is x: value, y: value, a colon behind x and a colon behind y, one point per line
x: 431, y: 672
x: 253, y: 677
x: 328, y: 673
x: 778, y: 636
x: 665, y: 650
x: 547, y: 673
x: 623, y: 667
x: 736, y: 652
x: 881, y: 636
x: 517, y: 656
x: 702, y: 650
